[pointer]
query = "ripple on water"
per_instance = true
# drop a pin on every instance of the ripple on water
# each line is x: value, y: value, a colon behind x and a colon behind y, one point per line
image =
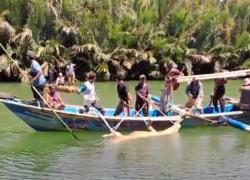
x: 174, y: 157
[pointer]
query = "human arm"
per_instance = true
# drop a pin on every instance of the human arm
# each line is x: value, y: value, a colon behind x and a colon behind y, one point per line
x: 82, y: 88
x: 36, y: 76
x: 57, y: 81
x: 48, y: 100
x: 36, y: 71
x: 201, y: 93
x: 174, y: 72
x: 129, y: 99
x: 187, y: 90
x: 60, y: 101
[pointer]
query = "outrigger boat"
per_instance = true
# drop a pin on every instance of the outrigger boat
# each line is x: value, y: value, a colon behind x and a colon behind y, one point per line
x: 44, y: 119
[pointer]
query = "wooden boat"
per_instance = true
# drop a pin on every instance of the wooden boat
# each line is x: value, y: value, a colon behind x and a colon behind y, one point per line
x: 43, y: 119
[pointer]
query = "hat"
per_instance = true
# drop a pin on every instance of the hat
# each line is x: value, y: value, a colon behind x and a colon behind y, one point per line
x: 142, y: 76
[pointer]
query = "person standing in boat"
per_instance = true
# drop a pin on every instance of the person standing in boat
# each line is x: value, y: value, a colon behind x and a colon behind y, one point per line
x: 70, y: 72
x: 125, y: 101
x: 173, y: 72
x: 194, y: 91
x: 142, y: 96
x: 54, y: 99
x: 37, y: 79
x: 60, y: 80
x: 166, y: 95
x: 89, y: 94
x: 219, y: 92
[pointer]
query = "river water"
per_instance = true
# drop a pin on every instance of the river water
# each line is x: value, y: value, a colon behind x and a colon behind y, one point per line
x: 192, y: 153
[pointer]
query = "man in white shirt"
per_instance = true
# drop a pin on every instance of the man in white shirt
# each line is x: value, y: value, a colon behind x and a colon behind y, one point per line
x: 89, y: 94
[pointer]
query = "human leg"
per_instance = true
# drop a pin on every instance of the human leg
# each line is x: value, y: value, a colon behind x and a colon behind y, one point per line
x: 215, y: 103
x: 70, y: 79
x: 222, y: 104
x: 199, y: 104
x: 119, y: 108
x: 98, y: 107
x: 145, y: 109
x: 126, y: 109
x: 38, y: 93
x: 163, y: 102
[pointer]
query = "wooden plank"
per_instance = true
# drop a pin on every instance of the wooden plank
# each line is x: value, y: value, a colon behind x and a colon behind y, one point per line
x: 231, y: 74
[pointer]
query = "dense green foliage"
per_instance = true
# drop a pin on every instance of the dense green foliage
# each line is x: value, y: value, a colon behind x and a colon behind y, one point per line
x: 163, y: 29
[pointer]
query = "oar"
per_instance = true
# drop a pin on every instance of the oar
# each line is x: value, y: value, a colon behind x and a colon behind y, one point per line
x: 185, y: 113
x: 147, y: 124
x: 108, y: 126
x: 158, y: 109
x: 54, y: 112
x: 136, y: 113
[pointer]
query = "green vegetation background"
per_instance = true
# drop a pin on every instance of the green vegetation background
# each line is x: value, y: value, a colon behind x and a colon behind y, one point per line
x: 130, y: 36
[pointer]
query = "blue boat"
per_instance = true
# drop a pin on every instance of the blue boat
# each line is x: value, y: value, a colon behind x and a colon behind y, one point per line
x: 43, y: 119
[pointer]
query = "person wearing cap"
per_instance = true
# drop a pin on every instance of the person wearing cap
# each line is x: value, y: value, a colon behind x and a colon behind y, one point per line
x: 166, y: 95
x: 125, y: 101
x: 89, y: 94
x: 54, y: 99
x: 142, y: 95
x: 194, y: 91
x: 37, y: 78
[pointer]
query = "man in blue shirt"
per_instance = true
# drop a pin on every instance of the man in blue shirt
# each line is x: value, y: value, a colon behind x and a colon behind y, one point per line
x: 37, y: 78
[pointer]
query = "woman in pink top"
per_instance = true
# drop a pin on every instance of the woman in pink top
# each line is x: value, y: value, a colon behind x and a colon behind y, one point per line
x: 53, y: 98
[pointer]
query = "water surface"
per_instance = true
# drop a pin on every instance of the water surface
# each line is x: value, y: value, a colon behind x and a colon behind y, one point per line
x: 193, y: 153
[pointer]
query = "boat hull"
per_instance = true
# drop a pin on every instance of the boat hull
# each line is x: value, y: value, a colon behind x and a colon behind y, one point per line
x: 43, y: 119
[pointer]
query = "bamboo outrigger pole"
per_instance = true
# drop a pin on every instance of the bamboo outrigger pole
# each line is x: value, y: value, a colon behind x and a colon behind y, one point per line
x: 232, y: 74
x: 33, y: 87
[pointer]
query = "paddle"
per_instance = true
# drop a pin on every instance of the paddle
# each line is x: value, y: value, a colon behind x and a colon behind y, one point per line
x: 108, y: 126
x: 185, y: 113
x: 158, y: 109
x: 136, y: 113
x: 150, y: 128
x: 33, y: 87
